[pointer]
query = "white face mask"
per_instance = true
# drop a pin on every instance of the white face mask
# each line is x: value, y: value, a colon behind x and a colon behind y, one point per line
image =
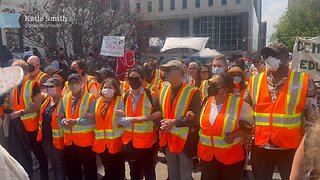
x: 237, y: 79
x: 52, y: 91
x: 272, y: 63
x: 217, y: 70
x: 108, y: 93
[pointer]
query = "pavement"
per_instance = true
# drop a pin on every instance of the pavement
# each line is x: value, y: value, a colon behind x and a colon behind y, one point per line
x: 161, y: 172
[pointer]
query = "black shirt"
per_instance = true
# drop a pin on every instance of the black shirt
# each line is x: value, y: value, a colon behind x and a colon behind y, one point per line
x: 46, y: 124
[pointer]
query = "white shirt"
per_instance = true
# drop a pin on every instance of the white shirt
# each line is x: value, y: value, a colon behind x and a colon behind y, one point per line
x: 246, y: 113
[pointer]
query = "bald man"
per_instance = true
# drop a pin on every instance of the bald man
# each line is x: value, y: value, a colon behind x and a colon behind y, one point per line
x: 34, y: 71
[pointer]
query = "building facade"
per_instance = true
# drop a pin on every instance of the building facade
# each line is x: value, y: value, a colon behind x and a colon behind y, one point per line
x: 233, y: 26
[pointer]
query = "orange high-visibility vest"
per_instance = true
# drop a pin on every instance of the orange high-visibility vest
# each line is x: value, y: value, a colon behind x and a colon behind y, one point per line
x: 124, y: 86
x: 90, y: 81
x: 38, y: 77
x: 204, y: 88
x: 81, y: 135
x: 151, y: 87
x: 107, y: 131
x: 30, y: 121
x: 176, y: 138
x: 281, y: 121
x: 211, y: 137
x: 143, y: 134
x: 56, y: 133
x: 156, y: 81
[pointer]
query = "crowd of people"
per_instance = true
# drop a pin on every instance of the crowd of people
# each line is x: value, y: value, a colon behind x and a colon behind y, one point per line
x: 223, y: 114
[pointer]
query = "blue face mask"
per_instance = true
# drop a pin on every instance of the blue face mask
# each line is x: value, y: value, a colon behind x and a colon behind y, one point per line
x: 237, y: 79
x: 217, y: 70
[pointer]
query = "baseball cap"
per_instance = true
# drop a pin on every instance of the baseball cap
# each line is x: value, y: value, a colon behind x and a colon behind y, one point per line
x: 74, y: 78
x: 275, y: 50
x: 173, y: 63
x: 53, y: 82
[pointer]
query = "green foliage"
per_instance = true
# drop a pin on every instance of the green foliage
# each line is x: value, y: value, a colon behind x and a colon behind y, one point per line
x: 301, y: 19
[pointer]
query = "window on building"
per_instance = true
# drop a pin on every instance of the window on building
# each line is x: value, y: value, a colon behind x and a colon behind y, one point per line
x: 160, y: 5
x: 172, y: 5
x: 196, y: 27
x: 197, y: 3
x: 138, y: 7
x: 224, y: 2
x: 184, y: 28
x: 238, y: 1
x: 149, y: 6
x: 210, y: 2
x: 184, y: 4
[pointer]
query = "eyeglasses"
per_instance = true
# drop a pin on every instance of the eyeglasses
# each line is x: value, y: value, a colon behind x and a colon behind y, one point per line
x: 134, y: 78
x: 205, y: 72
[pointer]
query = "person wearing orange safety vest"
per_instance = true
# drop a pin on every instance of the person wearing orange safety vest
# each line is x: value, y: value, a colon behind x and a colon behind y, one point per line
x: 284, y: 103
x: 180, y: 107
x: 34, y: 71
x: 224, y: 120
x: 25, y: 101
x: 108, y: 133
x: 192, y: 71
x: 48, y: 133
x: 88, y: 83
x: 76, y: 115
x: 140, y: 134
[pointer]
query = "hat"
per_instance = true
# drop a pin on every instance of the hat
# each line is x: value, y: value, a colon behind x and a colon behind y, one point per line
x: 275, y: 50
x: 238, y: 70
x: 10, y: 77
x: 104, y: 71
x: 74, y: 78
x: 173, y: 63
x: 53, y: 82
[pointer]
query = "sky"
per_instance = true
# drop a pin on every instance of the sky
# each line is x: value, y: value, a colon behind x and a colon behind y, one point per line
x: 271, y: 12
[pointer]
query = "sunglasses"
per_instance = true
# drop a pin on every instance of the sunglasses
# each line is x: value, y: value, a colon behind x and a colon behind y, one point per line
x: 134, y: 78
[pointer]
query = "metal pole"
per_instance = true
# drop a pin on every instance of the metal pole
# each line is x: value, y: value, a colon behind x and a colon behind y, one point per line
x: 1, y: 49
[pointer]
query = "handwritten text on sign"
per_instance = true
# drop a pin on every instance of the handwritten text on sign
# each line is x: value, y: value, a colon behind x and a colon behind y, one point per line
x: 306, y: 56
x: 113, y: 46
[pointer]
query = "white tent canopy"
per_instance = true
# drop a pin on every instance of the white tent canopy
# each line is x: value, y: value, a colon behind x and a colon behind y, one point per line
x: 197, y: 43
x: 207, y: 53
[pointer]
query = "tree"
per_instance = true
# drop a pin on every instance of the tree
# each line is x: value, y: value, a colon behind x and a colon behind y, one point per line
x: 302, y: 19
x: 78, y: 25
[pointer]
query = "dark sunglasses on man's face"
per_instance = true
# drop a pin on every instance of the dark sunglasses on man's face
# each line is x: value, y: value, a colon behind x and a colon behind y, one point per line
x: 134, y: 78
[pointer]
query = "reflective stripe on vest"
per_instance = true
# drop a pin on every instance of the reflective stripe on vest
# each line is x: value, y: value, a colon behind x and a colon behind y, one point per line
x: 108, y: 134
x: 204, y: 88
x: 27, y: 98
x: 57, y: 133
x: 84, y: 105
x: 290, y: 119
x: 232, y: 110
